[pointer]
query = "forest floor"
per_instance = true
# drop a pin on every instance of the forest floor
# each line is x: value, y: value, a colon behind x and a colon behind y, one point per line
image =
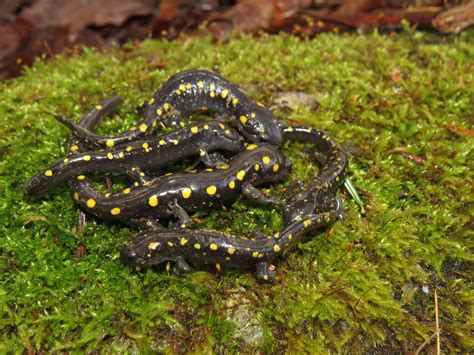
x: 403, y: 103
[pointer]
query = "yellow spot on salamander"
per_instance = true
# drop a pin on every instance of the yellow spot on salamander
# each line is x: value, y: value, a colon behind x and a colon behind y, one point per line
x: 206, y: 126
x: 98, y: 107
x: 109, y: 143
x: 231, y: 251
x: 121, y: 154
x: 48, y: 173
x: 129, y: 148
x: 189, y: 85
x: 145, y: 146
x: 110, y: 156
x: 75, y: 196
x: 235, y: 101
x: 153, y: 245
x: 253, y: 115
x: 115, y: 211
x: 200, y: 84
x: 182, y: 87
x: 90, y: 203
x: 197, y: 246
x: 65, y: 160
x: 194, y: 129
x: 186, y: 192
x: 211, y: 190
x: 183, y: 241
x: 159, y: 112
x: 218, y: 267
x: 232, y: 184
x: 240, y: 175
x: 276, y: 166
x: 86, y: 157
x: 126, y: 191
x: 252, y: 146
x: 255, y: 254
x: 257, y: 167
x: 221, y: 125
x: 290, y: 237
x: 212, y: 94
x: 161, y: 142
x: 153, y: 201
x: 213, y: 246
x: 171, y: 244
x: 166, y: 106
x: 175, y: 141
x: 276, y: 248
x: 182, y: 124
x: 212, y: 87
x: 74, y: 148
x: 307, y: 223
x: 81, y: 177
x: 151, y: 101
x: 224, y: 93
x: 143, y: 127
x: 243, y: 119
x: 266, y: 159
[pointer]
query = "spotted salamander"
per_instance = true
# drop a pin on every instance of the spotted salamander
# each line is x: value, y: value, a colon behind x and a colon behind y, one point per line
x: 187, y: 92
x: 334, y: 163
x: 140, y: 155
x: 177, y: 194
x: 200, y: 247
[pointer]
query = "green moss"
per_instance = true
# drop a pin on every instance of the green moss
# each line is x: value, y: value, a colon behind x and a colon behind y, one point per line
x: 365, y: 285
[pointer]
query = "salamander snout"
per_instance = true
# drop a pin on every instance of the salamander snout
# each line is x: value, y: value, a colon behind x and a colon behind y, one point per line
x: 34, y: 186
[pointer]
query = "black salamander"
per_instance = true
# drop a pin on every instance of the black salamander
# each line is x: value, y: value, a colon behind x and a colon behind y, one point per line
x: 187, y: 92
x: 321, y: 191
x: 141, y: 155
x: 181, y: 193
x: 199, y: 247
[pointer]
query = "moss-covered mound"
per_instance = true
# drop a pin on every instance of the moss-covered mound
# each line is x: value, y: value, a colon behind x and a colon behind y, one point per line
x: 403, y: 103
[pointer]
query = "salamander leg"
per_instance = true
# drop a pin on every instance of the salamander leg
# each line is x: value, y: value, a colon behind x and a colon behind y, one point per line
x: 255, y: 195
x: 136, y: 174
x: 174, y: 120
x: 145, y: 223
x: 182, y: 266
x: 213, y: 160
x: 178, y: 212
x: 263, y: 272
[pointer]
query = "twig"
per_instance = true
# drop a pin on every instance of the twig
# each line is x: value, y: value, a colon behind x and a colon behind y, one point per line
x: 438, y: 344
x: 436, y: 333
x: 425, y: 343
x: 48, y: 49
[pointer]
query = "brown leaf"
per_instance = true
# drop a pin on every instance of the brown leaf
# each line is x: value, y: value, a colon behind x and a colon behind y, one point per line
x: 455, y: 19
x: 77, y: 15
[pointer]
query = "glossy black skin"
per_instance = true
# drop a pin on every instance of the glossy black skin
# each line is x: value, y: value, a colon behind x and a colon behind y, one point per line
x: 222, y: 250
x: 187, y: 92
x: 144, y: 154
x: 208, y: 188
x: 311, y: 198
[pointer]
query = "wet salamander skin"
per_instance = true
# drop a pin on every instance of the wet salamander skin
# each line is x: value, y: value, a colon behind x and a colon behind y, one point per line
x: 144, y: 154
x: 185, y: 246
x: 192, y: 191
x: 187, y: 92
x: 325, y: 184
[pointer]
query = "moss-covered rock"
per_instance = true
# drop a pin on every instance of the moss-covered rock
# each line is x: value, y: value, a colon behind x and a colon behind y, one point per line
x: 403, y: 103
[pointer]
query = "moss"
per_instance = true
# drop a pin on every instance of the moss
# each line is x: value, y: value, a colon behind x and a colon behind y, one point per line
x: 362, y: 286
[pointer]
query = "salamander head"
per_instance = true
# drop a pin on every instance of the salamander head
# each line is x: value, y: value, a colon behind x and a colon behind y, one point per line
x: 142, y: 251
x: 38, y: 184
x: 260, y: 126
x: 230, y: 138
x: 274, y: 164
